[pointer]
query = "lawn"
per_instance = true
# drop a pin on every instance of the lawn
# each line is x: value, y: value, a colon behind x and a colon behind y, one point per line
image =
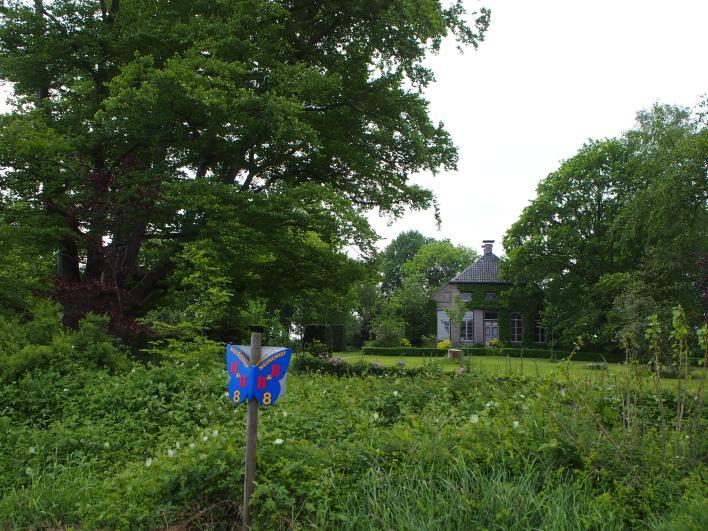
x: 502, y: 365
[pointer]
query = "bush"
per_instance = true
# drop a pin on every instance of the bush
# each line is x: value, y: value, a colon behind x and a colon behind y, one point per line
x: 43, y: 343
x: 429, y: 341
x: 317, y: 348
x: 444, y: 344
x: 496, y: 343
x: 338, y: 367
x: 388, y: 332
x: 405, y: 342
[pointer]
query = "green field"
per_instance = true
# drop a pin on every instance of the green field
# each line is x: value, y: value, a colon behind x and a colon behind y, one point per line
x: 152, y: 446
x: 528, y: 367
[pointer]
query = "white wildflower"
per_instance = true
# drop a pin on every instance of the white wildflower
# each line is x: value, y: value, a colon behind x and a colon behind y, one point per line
x: 148, y: 462
x: 215, y: 433
x: 32, y: 449
x: 170, y: 452
x: 285, y: 413
x: 515, y: 424
x: 474, y: 419
x: 278, y: 441
x: 395, y: 393
x: 205, y: 438
x: 28, y: 471
x: 106, y: 444
x: 376, y: 416
x: 192, y: 446
x: 66, y: 390
x: 177, y: 445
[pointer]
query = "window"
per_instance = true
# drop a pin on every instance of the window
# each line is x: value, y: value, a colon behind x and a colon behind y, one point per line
x: 490, y: 297
x: 491, y: 315
x: 467, y: 330
x: 540, y: 334
x: 517, y: 328
x: 466, y: 297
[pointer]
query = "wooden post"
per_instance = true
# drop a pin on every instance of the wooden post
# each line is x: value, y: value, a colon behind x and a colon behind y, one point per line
x: 251, y: 431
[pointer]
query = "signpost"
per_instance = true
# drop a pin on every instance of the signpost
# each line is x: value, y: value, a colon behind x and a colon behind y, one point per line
x: 255, y: 381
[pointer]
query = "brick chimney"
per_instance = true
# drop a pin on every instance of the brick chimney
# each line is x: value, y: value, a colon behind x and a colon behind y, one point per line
x: 487, y: 246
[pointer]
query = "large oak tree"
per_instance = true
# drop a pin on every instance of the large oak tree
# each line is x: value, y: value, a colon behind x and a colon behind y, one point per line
x: 264, y: 127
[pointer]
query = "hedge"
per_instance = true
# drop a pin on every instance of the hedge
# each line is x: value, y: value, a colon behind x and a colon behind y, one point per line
x: 615, y: 357
x: 306, y: 363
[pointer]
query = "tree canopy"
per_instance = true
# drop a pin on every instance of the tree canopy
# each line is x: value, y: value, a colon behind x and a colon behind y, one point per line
x: 620, y: 230
x: 260, y: 129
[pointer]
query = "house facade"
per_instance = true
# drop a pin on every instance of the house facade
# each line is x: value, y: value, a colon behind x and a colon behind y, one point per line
x: 488, y: 312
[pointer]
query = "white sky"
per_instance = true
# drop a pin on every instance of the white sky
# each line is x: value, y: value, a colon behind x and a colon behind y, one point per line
x: 549, y: 76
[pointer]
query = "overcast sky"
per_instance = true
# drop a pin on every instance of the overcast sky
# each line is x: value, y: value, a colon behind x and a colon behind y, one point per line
x: 549, y: 76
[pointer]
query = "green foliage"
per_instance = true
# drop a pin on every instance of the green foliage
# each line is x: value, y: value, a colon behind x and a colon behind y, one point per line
x: 332, y: 365
x: 43, y: 345
x: 23, y: 272
x: 443, y: 345
x: 150, y: 148
x: 456, y: 313
x: 317, y: 348
x: 199, y: 296
x: 496, y: 344
x: 413, y: 305
x: 400, y: 251
x: 437, y: 262
x: 389, y: 329
x: 161, y: 445
x: 405, y: 343
x: 618, y: 232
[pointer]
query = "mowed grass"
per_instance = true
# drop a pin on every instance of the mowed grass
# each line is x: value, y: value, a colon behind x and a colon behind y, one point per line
x: 529, y: 367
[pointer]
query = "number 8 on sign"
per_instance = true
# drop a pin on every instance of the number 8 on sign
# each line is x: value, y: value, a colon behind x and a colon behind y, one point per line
x: 262, y: 381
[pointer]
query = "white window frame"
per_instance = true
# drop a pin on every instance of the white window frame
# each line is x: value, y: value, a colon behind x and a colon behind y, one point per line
x: 467, y: 329
x: 539, y: 334
x: 516, y: 325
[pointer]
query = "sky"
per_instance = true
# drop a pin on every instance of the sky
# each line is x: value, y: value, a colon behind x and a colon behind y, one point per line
x: 549, y: 76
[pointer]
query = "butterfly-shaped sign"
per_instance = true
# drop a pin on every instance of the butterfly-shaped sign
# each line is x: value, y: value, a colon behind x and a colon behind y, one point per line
x: 264, y: 381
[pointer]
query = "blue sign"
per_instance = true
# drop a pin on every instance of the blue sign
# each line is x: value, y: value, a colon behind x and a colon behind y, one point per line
x: 262, y: 381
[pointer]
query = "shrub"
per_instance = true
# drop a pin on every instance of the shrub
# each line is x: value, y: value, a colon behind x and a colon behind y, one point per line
x: 337, y: 367
x: 429, y: 341
x: 388, y: 332
x: 317, y: 348
x: 444, y: 344
x: 405, y: 342
x: 496, y: 343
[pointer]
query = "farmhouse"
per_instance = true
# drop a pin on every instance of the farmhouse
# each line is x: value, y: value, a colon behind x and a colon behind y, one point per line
x: 488, y: 313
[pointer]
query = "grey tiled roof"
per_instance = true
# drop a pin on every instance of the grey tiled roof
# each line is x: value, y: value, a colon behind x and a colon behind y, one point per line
x: 483, y: 271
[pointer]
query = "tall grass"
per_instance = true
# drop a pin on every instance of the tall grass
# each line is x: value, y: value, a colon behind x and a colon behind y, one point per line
x: 466, y: 497
x: 53, y: 497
